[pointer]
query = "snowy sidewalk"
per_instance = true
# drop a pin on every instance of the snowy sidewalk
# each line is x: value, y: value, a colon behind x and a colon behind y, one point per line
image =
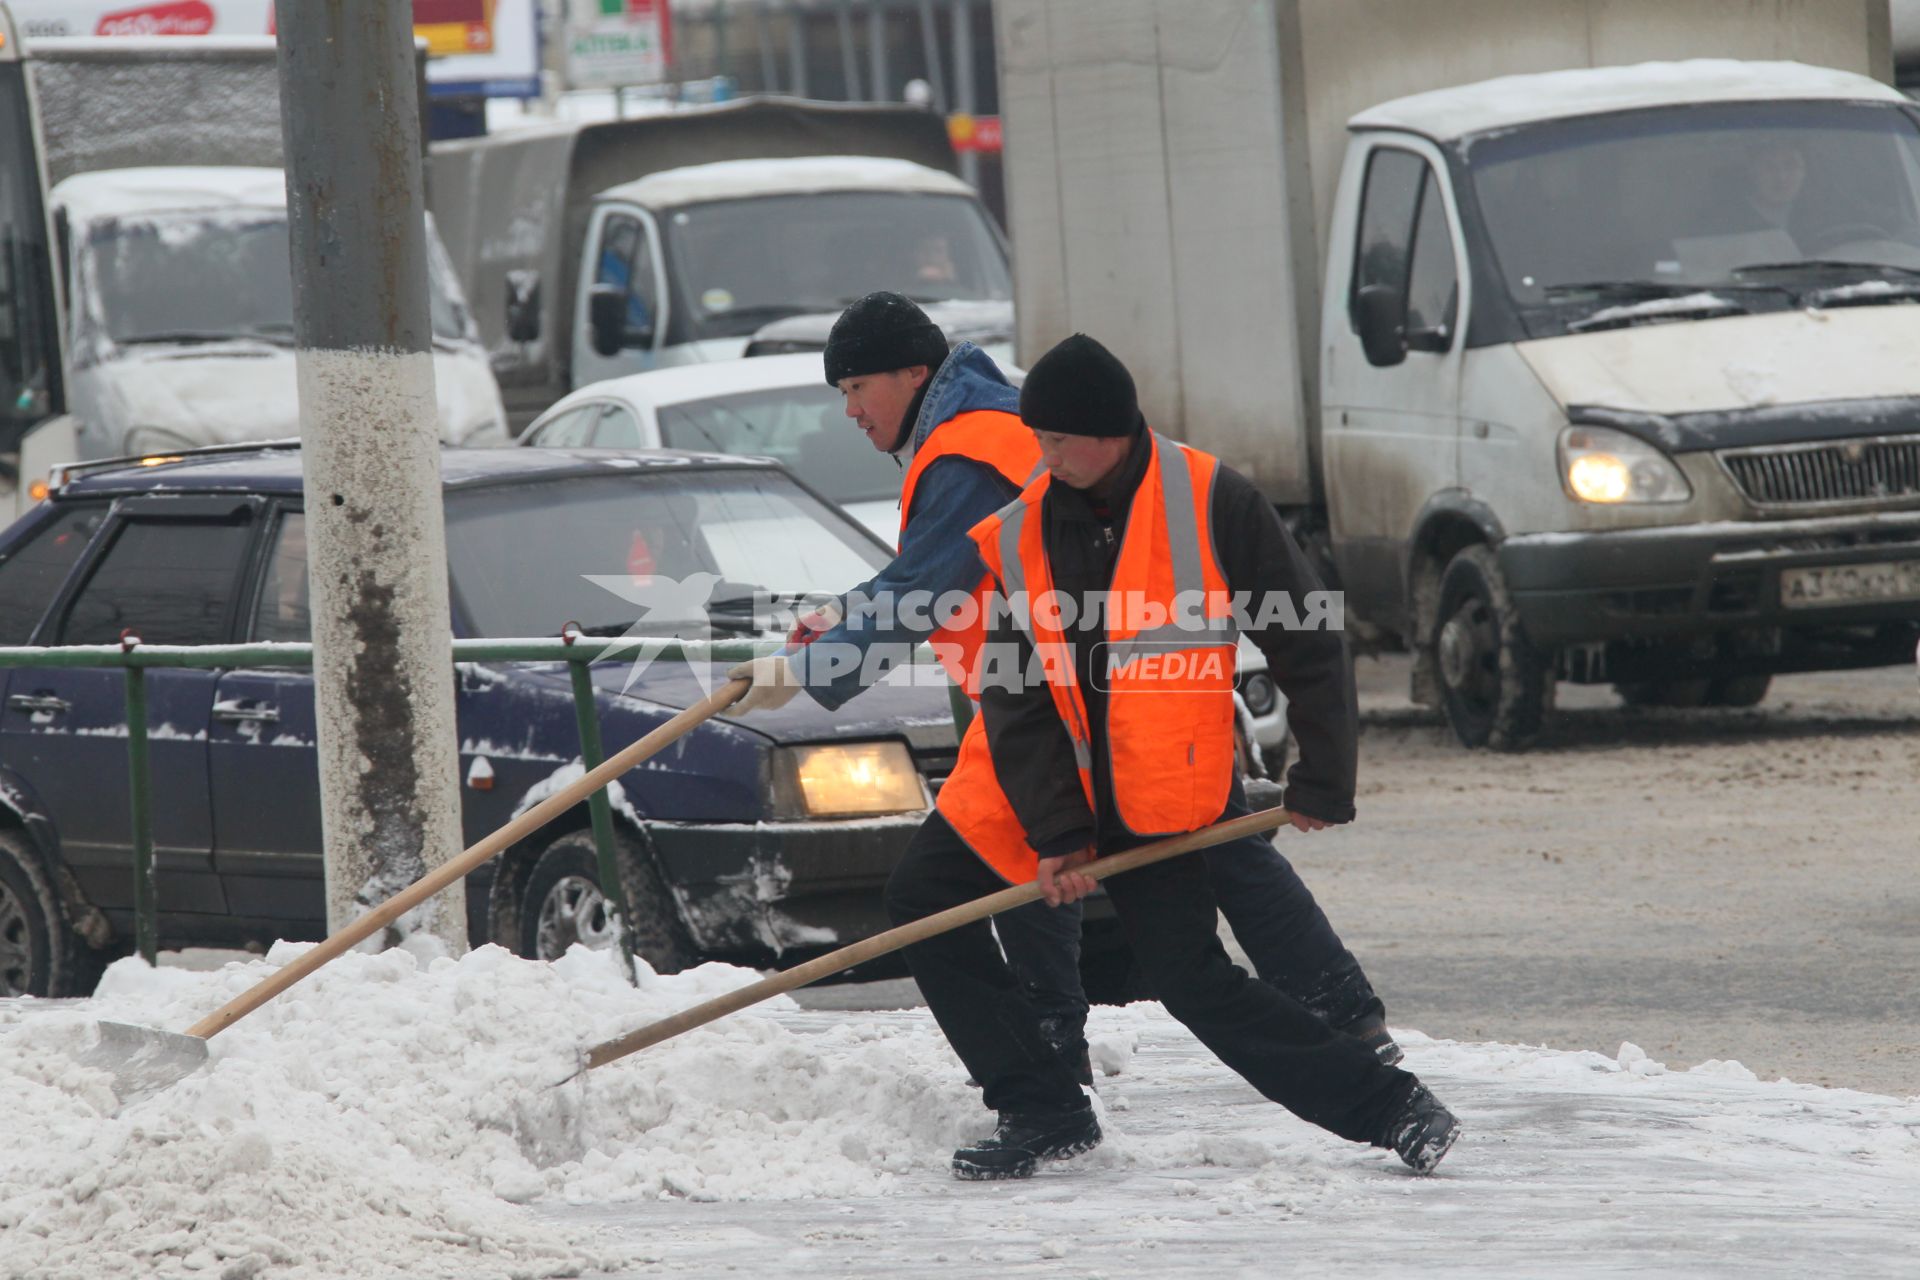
x: 1573, y: 1164
x: 394, y: 1118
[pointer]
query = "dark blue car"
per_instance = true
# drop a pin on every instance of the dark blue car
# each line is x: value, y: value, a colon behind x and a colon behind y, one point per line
x: 759, y: 841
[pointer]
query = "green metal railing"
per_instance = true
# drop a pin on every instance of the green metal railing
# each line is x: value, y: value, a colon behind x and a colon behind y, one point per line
x: 577, y: 651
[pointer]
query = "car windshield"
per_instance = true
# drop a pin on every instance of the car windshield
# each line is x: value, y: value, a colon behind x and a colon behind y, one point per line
x: 804, y: 428
x: 1753, y: 205
x: 671, y: 550
x: 203, y: 276
x: 742, y: 263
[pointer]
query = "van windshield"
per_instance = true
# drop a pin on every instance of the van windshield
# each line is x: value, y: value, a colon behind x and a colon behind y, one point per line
x: 738, y: 264
x: 1722, y: 209
x: 205, y: 276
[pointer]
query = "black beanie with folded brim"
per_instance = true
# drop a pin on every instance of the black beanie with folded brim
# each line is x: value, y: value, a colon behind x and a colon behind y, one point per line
x: 1079, y: 388
x: 880, y: 333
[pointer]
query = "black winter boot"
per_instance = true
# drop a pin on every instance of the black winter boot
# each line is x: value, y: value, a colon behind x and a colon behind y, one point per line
x: 1372, y: 1032
x: 1422, y: 1132
x: 1025, y: 1138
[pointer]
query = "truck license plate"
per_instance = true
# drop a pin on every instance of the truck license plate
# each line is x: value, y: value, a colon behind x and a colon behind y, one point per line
x: 1849, y: 584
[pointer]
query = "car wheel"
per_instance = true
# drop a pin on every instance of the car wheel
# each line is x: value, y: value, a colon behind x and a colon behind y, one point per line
x: 39, y: 954
x: 564, y: 904
x: 1495, y: 686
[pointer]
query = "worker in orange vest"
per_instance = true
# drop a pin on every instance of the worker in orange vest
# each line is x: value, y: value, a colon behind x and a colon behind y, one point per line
x: 954, y: 419
x: 1106, y: 688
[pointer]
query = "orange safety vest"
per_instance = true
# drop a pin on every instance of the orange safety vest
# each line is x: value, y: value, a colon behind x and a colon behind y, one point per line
x: 985, y: 820
x: 1168, y: 651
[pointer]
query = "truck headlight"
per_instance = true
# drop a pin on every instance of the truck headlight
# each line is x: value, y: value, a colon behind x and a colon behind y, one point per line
x: 1600, y: 464
x: 846, y: 780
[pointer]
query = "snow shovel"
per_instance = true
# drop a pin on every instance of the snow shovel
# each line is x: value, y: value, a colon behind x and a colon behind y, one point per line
x: 915, y: 931
x: 144, y: 1059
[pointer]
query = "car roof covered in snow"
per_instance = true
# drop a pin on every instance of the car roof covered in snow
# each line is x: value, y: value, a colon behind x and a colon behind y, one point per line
x: 275, y: 468
x: 737, y: 179
x: 1446, y: 114
x: 681, y: 383
x: 113, y: 193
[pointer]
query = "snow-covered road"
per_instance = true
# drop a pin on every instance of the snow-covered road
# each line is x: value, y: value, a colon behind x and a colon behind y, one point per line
x: 391, y: 1118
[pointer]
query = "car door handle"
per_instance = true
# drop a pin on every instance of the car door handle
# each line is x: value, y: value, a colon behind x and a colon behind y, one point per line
x: 240, y: 711
x: 39, y: 703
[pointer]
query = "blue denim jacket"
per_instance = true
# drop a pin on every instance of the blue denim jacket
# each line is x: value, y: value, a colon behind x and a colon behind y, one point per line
x: 936, y: 556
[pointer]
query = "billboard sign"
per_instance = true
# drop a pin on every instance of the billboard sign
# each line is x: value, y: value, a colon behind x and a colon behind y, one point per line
x: 615, y: 43
x: 486, y: 47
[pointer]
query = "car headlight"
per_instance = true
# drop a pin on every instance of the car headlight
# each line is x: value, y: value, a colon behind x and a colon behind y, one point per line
x: 846, y: 780
x: 1602, y: 465
x: 1260, y: 693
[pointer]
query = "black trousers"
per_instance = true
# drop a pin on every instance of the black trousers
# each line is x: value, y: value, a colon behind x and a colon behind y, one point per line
x: 1273, y: 1041
x: 1271, y: 911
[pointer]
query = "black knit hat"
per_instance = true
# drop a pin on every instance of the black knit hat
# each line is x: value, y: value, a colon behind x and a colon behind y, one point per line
x: 1080, y: 388
x: 880, y: 333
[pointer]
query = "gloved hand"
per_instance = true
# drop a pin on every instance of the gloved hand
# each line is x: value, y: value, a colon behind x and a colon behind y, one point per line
x: 811, y: 626
x: 774, y: 684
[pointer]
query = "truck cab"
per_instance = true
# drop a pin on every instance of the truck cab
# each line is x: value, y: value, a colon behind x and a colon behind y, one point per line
x: 145, y: 296
x: 181, y: 315
x: 688, y: 264
x: 1617, y: 383
x: 597, y: 249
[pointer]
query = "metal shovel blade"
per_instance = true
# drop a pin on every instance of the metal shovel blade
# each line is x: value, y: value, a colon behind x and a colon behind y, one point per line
x: 142, y: 1060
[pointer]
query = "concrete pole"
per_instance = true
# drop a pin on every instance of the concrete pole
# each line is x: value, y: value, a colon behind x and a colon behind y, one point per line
x: 376, y: 542
x: 964, y: 100
x: 877, y: 50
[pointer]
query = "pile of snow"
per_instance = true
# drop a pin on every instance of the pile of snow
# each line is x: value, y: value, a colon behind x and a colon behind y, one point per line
x: 388, y: 1118
x: 399, y: 1117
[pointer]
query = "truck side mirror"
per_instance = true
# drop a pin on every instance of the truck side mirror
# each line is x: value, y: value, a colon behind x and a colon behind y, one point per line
x: 1380, y: 312
x: 523, y: 306
x: 607, y: 314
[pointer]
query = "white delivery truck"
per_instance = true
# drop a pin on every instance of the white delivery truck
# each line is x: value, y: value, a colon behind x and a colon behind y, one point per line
x: 594, y: 250
x: 1603, y: 373
x: 145, y: 294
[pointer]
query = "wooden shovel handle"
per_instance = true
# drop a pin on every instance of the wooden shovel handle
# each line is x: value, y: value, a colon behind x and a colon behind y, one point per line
x: 919, y: 930
x: 445, y: 874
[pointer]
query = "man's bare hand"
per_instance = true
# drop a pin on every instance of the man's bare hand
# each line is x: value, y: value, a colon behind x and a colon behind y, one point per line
x: 1060, y: 883
x: 1301, y: 822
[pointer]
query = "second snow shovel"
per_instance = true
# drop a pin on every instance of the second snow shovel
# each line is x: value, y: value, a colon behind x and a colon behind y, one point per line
x: 143, y: 1059
x: 916, y: 931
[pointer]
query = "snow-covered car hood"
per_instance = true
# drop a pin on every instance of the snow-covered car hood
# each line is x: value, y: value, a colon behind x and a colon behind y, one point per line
x: 1738, y: 362
x: 239, y: 391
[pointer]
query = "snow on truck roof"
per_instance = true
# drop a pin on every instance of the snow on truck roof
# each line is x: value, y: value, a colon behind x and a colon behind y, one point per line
x: 113, y: 193
x: 733, y: 179
x: 1446, y: 114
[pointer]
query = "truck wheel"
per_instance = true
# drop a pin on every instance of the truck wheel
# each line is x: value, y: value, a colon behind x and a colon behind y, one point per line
x: 1495, y: 686
x: 39, y: 954
x: 564, y: 905
x: 1738, y: 691
x: 1664, y: 693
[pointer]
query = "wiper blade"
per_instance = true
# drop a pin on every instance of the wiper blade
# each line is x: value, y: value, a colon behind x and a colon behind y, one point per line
x: 183, y: 336
x: 1630, y: 289
x: 1824, y: 266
